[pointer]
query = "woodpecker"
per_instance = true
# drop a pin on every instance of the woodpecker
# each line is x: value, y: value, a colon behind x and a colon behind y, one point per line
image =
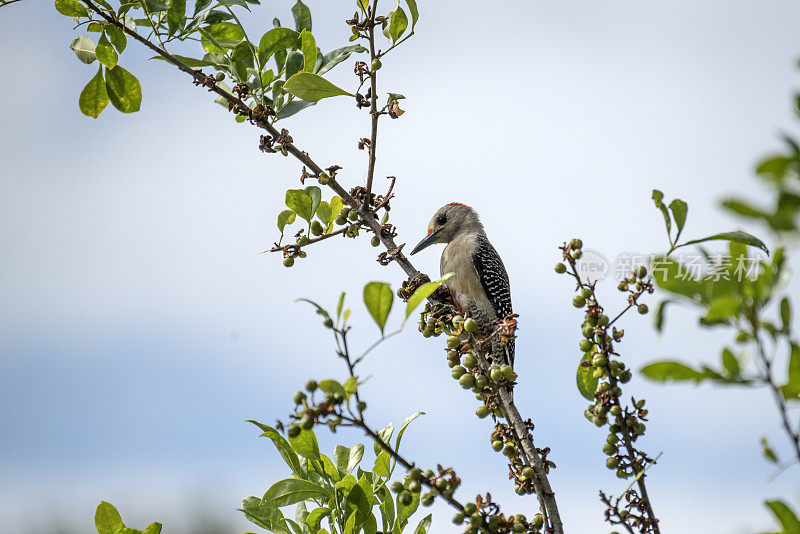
x: 479, y: 283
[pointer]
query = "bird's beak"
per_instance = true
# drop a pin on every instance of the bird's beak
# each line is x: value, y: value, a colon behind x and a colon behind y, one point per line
x: 429, y: 240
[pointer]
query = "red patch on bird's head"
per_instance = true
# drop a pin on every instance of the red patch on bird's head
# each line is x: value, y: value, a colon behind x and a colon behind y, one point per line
x: 457, y: 204
x: 430, y: 231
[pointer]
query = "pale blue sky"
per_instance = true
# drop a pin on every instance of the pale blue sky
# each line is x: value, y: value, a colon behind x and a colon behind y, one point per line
x: 141, y: 326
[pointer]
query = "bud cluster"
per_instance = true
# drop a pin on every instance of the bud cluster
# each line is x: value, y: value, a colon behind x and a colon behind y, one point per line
x: 310, y: 410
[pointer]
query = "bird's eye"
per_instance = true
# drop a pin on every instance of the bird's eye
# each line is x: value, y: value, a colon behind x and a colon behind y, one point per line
x: 441, y: 219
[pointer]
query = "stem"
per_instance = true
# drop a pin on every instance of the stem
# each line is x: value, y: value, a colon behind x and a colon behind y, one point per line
x: 373, y: 102
x: 766, y: 362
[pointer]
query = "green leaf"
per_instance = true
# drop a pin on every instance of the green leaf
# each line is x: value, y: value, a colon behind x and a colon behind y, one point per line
x: 777, y: 166
x: 291, y: 491
x: 284, y: 449
x: 412, y: 8
x: 385, y: 435
x: 123, y: 90
x: 311, y: 87
x: 398, y: 22
x: 309, y: 47
x: 665, y: 371
x: 71, y: 8
x: 425, y: 523
x: 324, y: 212
x: 117, y: 37
x: 105, y: 52
x: 305, y: 444
x: 340, y: 305
x: 378, y: 297
x: 785, y: 516
x: 94, y: 98
x: 320, y: 310
x: 347, y: 459
x: 382, y: 467
x: 679, y: 209
x: 265, y: 515
x: 350, y: 387
x: 333, y: 387
x: 786, y: 313
x: 658, y: 197
x: 294, y: 63
x: 767, y: 451
x: 315, y: 518
x: 722, y: 308
x: 302, y: 16
x: 791, y: 390
x: 730, y: 363
x: 300, y: 202
x: 403, y: 426
x: 292, y: 108
x: 153, y: 6
x: 661, y: 315
x: 393, y: 97
x: 358, y: 505
x: 226, y: 31
x: 152, y: 528
x: 277, y: 39
x: 285, y: 217
x: 107, y: 519
x: 331, y: 59
x: 587, y: 383
x: 84, y: 48
x: 336, y: 207
x: 423, y: 292
x: 316, y: 196
x: 329, y: 470
x: 736, y: 237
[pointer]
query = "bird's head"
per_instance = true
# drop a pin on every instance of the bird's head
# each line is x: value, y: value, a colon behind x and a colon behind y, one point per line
x: 448, y: 222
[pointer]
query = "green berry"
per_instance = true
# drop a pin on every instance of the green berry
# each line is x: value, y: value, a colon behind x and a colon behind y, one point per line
x: 453, y: 342
x: 508, y: 372
x: 586, y: 292
x: 615, y: 410
x: 612, y: 439
x: 641, y: 272
x: 353, y: 215
x: 576, y: 244
x: 414, y: 486
x: 625, y: 376
x: 579, y: 301
x: 466, y: 381
x: 458, y: 518
x: 362, y: 406
x: 642, y: 308
x: 302, y: 240
x: 586, y: 345
x: 397, y: 486
x: 316, y: 228
x: 470, y: 508
x: 482, y: 411
x: 376, y: 64
x: 496, y: 375
x: 307, y: 423
x: 538, y: 520
x: 528, y: 472
x: 588, y: 331
x: 470, y: 361
x: 405, y: 498
x: 323, y: 178
x: 578, y: 254
x: 599, y: 360
x: 375, y: 241
x: 561, y: 268
x: 623, y: 286
x: 427, y: 499
x: 294, y: 430
x: 603, y: 320
x: 341, y: 220
x: 518, y: 528
x: 470, y: 325
x: 288, y: 262
x: 311, y: 385
x: 458, y: 371
x: 609, y: 449
x: 612, y: 463
x: 497, y: 445
x: 299, y: 397
x: 328, y: 322
x: 220, y: 76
